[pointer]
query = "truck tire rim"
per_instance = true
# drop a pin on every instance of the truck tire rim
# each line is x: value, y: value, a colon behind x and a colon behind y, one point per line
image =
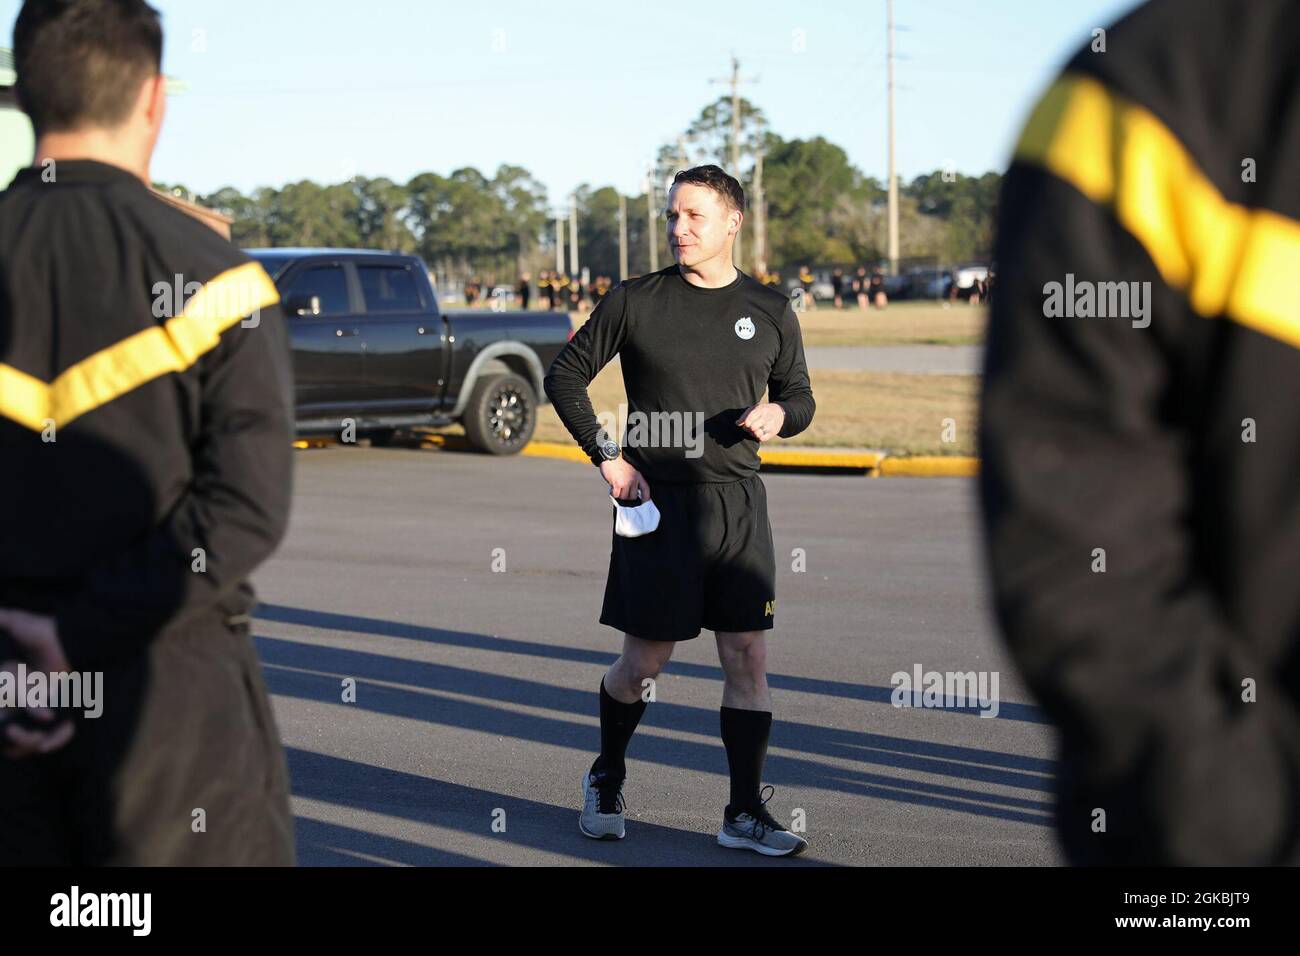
x: 508, y: 415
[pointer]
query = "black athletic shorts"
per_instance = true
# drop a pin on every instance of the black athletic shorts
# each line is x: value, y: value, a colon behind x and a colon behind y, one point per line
x: 709, y: 564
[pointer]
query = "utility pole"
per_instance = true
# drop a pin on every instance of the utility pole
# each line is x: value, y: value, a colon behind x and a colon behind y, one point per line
x: 893, y: 176
x: 759, y: 205
x: 622, y: 236
x: 573, y: 233
x: 651, y: 218
x: 735, y: 144
x: 735, y: 82
x: 559, y: 241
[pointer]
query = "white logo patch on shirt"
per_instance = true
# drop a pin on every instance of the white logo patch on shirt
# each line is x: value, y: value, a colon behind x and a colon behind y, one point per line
x: 745, y: 328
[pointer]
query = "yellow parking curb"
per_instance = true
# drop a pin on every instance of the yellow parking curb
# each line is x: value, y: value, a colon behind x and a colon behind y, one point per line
x: 555, y: 449
x: 872, y: 463
x: 867, y: 461
x: 931, y: 466
x: 791, y: 458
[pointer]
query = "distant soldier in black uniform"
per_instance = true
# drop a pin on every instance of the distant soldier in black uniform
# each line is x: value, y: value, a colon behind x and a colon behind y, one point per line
x: 558, y: 283
x: 524, y: 291
x: 544, y: 288
x: 837, y: 286
x: 145, y: 428
x: 806, y: 280
x: 861, y: 287
x: 876, y: 291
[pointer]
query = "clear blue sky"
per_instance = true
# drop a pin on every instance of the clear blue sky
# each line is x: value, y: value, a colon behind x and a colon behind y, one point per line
x: 282, y: 90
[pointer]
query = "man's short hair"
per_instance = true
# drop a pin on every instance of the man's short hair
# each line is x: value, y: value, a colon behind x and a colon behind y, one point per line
x: 715, y: 178
x: 80, y: 63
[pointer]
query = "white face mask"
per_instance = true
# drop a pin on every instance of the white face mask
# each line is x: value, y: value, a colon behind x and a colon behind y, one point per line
x: 632, y: 521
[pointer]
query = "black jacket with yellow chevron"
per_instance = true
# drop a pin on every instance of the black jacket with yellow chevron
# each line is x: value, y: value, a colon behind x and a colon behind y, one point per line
x: 1141, y: 470
x: 145, y: 413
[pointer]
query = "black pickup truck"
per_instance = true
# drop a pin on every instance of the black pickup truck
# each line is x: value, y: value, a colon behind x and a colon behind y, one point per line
x: 371, y: 346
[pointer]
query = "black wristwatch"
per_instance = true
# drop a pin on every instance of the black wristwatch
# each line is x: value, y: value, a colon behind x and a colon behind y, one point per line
x: 608, y: 449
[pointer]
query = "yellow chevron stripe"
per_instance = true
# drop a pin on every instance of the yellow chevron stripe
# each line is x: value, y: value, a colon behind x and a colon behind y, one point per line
x: 140, y: 358
x: 1228, y: 259
x: 23, y: 398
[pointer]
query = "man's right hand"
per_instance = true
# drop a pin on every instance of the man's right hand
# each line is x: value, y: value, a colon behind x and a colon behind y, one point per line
x: 624, y: 481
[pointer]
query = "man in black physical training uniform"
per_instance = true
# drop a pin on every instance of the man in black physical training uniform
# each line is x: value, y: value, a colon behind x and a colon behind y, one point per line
x: 699, y: 342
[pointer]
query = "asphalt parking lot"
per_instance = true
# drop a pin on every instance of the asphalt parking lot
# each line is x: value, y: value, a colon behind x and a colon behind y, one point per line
x: 460, y: 594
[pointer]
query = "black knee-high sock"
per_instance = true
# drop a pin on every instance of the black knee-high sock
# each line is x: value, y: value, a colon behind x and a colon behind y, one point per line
x: 744, y: 734
x: 617, y: 722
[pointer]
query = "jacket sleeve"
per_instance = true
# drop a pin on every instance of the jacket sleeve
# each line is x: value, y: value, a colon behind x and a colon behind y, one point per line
x: 788, y: 384
x: 1086, y: 458
x: 591, y: 349
x: 235, y: 508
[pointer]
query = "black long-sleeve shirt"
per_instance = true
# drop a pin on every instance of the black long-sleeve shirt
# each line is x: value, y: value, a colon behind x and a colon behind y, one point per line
x: 1141, y: 443
x: 693, y: 361
x: 145, y: 413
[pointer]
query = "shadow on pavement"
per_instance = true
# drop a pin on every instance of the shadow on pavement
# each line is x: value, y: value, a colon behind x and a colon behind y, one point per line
x: 502, y: 645
x: 312, y: 672
x: 329, y: 844
x: 529, y: 823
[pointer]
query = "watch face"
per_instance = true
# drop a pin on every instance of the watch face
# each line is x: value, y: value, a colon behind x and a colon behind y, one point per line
x: 609, y: 448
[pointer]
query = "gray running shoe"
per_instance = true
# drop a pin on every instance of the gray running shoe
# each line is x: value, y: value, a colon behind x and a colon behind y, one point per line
x: 758, y: 831
x: 602, y: 807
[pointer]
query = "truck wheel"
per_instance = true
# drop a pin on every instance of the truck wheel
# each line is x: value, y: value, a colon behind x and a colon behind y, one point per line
x: 501, y: 414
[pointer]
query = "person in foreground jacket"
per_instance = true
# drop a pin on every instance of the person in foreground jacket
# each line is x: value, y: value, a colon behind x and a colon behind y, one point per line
x: 145, y: 429
x: 1141, y: 433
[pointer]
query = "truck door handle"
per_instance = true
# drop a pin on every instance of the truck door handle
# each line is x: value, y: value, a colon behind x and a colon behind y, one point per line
x: 342, y: 332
